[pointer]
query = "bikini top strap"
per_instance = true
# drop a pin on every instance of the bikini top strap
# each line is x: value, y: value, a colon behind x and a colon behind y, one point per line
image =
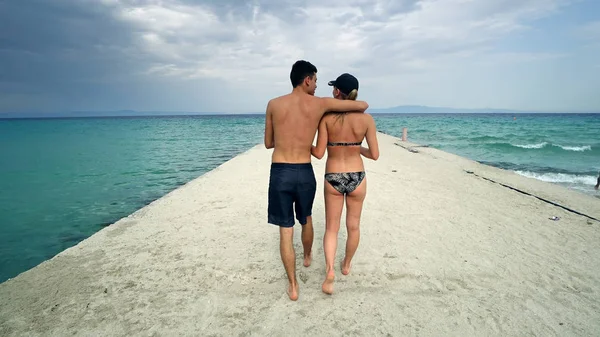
x: 343, y: 144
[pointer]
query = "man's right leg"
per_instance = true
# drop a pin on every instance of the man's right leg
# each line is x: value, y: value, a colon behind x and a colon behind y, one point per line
x: 305, y: 197
x: 288, y: 257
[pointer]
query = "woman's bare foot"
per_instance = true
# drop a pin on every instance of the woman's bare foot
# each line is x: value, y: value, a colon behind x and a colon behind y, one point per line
x: 293, y: 292
x: 345, y: 267
x: 307, y: 260
x: 328, y: 283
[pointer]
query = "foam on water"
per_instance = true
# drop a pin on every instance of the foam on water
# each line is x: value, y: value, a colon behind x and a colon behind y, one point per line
x: 531, y: 146
x: 575, y: 148
x: 560, y: 177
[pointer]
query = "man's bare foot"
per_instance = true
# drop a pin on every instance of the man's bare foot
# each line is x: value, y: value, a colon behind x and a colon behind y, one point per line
x: 328, y: 283
x: 307, y: 260
x: 345, y: 267
x: 293, y: 292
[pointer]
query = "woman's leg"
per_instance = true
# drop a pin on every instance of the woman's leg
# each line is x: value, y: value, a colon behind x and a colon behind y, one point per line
x: 334, y: 203
x: 354, y: 204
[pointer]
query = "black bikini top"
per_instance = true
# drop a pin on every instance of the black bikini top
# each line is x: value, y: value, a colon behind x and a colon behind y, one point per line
x: 343, y: 144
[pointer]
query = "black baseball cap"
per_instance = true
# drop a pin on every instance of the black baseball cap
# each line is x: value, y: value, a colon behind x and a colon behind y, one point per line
x: 345, y: 82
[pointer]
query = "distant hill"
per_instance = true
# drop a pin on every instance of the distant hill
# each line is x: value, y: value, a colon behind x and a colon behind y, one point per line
x: 120, y: 113
x: 421, y: 109
x: 427, y: 109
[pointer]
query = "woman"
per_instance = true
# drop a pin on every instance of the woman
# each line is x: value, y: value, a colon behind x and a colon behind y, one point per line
x: 342, y: 135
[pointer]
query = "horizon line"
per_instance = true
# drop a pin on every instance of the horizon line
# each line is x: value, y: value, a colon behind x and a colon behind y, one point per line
x: 422, y: 108
x: 14, y: 116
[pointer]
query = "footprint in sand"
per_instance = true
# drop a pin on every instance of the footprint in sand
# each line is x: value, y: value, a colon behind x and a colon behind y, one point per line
x: 303, y: 277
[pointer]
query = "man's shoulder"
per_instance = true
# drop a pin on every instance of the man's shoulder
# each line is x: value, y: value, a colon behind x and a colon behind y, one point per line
x: 295, y: 99
x: 319, y: 104
x: 274, y: 100
x: 273, y: 104
x: 279, y: 100
x: 321, y: 100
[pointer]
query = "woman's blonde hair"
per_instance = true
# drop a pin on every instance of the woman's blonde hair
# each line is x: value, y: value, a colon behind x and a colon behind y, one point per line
x: 351, y: 96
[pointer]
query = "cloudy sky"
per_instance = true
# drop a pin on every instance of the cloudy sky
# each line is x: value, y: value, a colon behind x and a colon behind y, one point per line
x: 233, y: 55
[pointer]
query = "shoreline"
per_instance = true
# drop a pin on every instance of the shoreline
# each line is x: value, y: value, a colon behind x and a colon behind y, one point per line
x: 442, y: 251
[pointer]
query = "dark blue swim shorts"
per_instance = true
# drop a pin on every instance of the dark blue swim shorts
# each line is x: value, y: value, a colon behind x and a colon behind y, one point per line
x: 291, y: 186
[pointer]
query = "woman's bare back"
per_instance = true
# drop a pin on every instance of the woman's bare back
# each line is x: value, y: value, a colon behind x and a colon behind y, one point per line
x: 341, y: 130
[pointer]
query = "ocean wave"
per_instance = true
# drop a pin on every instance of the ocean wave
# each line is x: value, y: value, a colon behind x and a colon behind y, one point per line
x: 531, y: 146
x: 560, y: 177
x: 574, y: 148
x: 540, y: 169
x: 543, y: 145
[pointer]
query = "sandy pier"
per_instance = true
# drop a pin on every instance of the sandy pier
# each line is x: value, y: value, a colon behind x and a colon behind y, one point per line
x: 449, y: 247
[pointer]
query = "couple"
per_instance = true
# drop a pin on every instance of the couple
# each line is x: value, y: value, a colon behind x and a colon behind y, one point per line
x: 291, y: 123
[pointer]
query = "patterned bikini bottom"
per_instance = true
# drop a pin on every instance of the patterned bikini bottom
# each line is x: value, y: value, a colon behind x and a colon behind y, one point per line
x: 345, y: 182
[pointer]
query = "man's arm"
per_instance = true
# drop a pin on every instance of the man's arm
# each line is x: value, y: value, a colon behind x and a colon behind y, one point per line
x: 319, y: 150
x: 343, y: 105
x: 269, y: 141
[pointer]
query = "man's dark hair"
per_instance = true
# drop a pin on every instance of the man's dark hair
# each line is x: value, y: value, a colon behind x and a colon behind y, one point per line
x: 300, y: 70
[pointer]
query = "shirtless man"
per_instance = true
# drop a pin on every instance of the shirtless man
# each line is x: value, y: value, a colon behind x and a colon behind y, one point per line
x: 290, y: 127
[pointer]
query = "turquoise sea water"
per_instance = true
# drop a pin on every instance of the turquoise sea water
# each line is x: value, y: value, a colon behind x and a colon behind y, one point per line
x: 557, y: 148
x: 61, y: 180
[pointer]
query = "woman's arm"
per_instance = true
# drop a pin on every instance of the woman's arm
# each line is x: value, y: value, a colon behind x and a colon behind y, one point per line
x: 319, y: 150
x: 373, y: 151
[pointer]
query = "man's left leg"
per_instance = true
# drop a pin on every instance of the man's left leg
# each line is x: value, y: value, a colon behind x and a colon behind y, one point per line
x: 307, y: 240
x: 304, y: 203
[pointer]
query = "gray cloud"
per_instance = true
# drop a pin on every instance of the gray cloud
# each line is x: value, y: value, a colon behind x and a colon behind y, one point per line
x: 52, y: 46
x: 66, y: 55
x: 195, y: 55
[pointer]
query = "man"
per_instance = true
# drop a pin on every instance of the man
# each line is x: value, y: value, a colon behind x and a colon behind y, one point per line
x: 290, y: 127
x: 598, y: 182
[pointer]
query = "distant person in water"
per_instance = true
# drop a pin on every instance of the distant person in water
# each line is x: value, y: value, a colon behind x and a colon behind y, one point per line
x: 342, y: 135
x: 290, y: 126
x: 598, y: 182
